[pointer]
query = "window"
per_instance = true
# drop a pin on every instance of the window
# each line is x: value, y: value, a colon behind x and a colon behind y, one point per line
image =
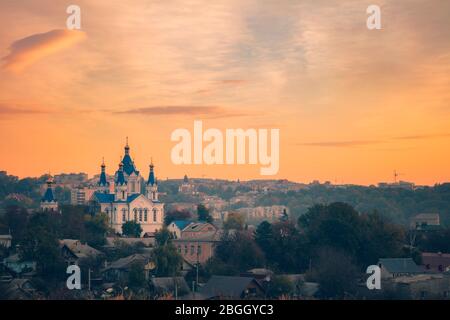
x: 140, y: 215
x: 185, y: 249
x: 154, y: 215
x: 123, y: 194
x: 199, y: 250
x: 145, y: 215
x: 192, y: 250
x: 179, y: 249
x: 135, y: 214
x: 124, y: 214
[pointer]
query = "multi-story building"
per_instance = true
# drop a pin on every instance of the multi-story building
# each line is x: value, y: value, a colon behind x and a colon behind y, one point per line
x: 127, y: 201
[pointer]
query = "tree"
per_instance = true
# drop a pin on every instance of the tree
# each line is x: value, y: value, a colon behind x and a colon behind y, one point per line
x: 96, y: 228
x: 335, y: 273
x: 264, y: 237
x: 16, y: 219
x: 203, y: 214
x: 234, y: 221
x: 73, y: 222
x: 238, y: 252
x: 131, y: 229
x: 176, y: 215
x: 279, y: 286
x: 285, y: 249
x: 163, y: 236
x: 364, y: 237
x: 136, y: 276
x: 40, y: 244
x: 167, y: 259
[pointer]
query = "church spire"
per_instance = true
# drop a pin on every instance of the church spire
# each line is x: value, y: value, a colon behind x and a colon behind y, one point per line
x: 48, y: 196
x: 120, y: 176
x: 127, y: 148
x: 103, y: 181
x: 151, y: 176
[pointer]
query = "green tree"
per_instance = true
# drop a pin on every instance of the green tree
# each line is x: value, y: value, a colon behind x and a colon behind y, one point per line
x: 203, y: 214
x: 176, y: 215
x: 40, y: 244
x: 131, y: 229
x: 264, y: 237
x: 163, y: 236
x: 234, y: 221
x: 279, y: 286
x: 96, y: 228
x: 335, y: 272
x: 167, y: 259
x: 16, y: 219
x: 239, y: 251
x: 136, y: 276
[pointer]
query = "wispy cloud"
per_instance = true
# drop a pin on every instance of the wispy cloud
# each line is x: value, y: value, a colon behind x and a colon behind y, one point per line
x: 423, y: 136
x: 351, y: 143
x: 27, y: 51
x: 11, y: 110
x: 208, y: 111
x: 354, y: 143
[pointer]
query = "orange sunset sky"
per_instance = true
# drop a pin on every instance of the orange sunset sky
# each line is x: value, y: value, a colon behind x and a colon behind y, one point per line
x: 351, y: 104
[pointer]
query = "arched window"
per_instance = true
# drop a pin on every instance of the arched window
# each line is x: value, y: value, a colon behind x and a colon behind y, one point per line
x: 145, y: 215
x: 140, y: 215
x: 154, y: 214
x: 124, y: 214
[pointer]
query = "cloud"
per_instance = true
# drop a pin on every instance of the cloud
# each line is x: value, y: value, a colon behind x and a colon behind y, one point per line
x: 423, y: 136
x: 352, y: 143
x: 233, y: 82
x: 8, y: 110
x: 27, y: 51
x: 209, y: 111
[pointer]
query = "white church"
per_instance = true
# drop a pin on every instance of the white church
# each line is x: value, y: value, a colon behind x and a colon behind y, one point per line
x: 130, y: 197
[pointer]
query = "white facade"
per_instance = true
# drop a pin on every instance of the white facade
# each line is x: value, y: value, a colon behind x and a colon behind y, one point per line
x: 129, y: 201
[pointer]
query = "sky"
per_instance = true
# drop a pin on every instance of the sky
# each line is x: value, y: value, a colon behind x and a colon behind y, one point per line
x: 352, y: 104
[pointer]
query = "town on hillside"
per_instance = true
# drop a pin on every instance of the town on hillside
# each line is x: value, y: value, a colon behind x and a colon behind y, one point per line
x: 134, y: 236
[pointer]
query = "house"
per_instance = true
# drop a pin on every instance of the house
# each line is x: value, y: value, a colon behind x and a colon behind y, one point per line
x: 5, y: 240
x: 197, y: 229
x: 74, y: 251
x: 396, y: 267
x: 176, y: 226
x: 14, y: 264
x: 175, y: 286
x: 197, y: 247
x: 425, y: 221
x: 113, y: 242
x: 436, y: 262
x: 259, y: 274
x: 17, y: 289
x: 118, y: 270
x: 225, y: 287
x: 421, y: 286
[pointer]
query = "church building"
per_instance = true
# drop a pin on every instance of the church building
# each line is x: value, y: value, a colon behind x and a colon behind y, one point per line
x: 130, y: 197
x: 48, y: 201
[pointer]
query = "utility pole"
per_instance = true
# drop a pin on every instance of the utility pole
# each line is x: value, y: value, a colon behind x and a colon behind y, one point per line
x: 197, y: 266
x: 176, y: 290
x: 89, y: 279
